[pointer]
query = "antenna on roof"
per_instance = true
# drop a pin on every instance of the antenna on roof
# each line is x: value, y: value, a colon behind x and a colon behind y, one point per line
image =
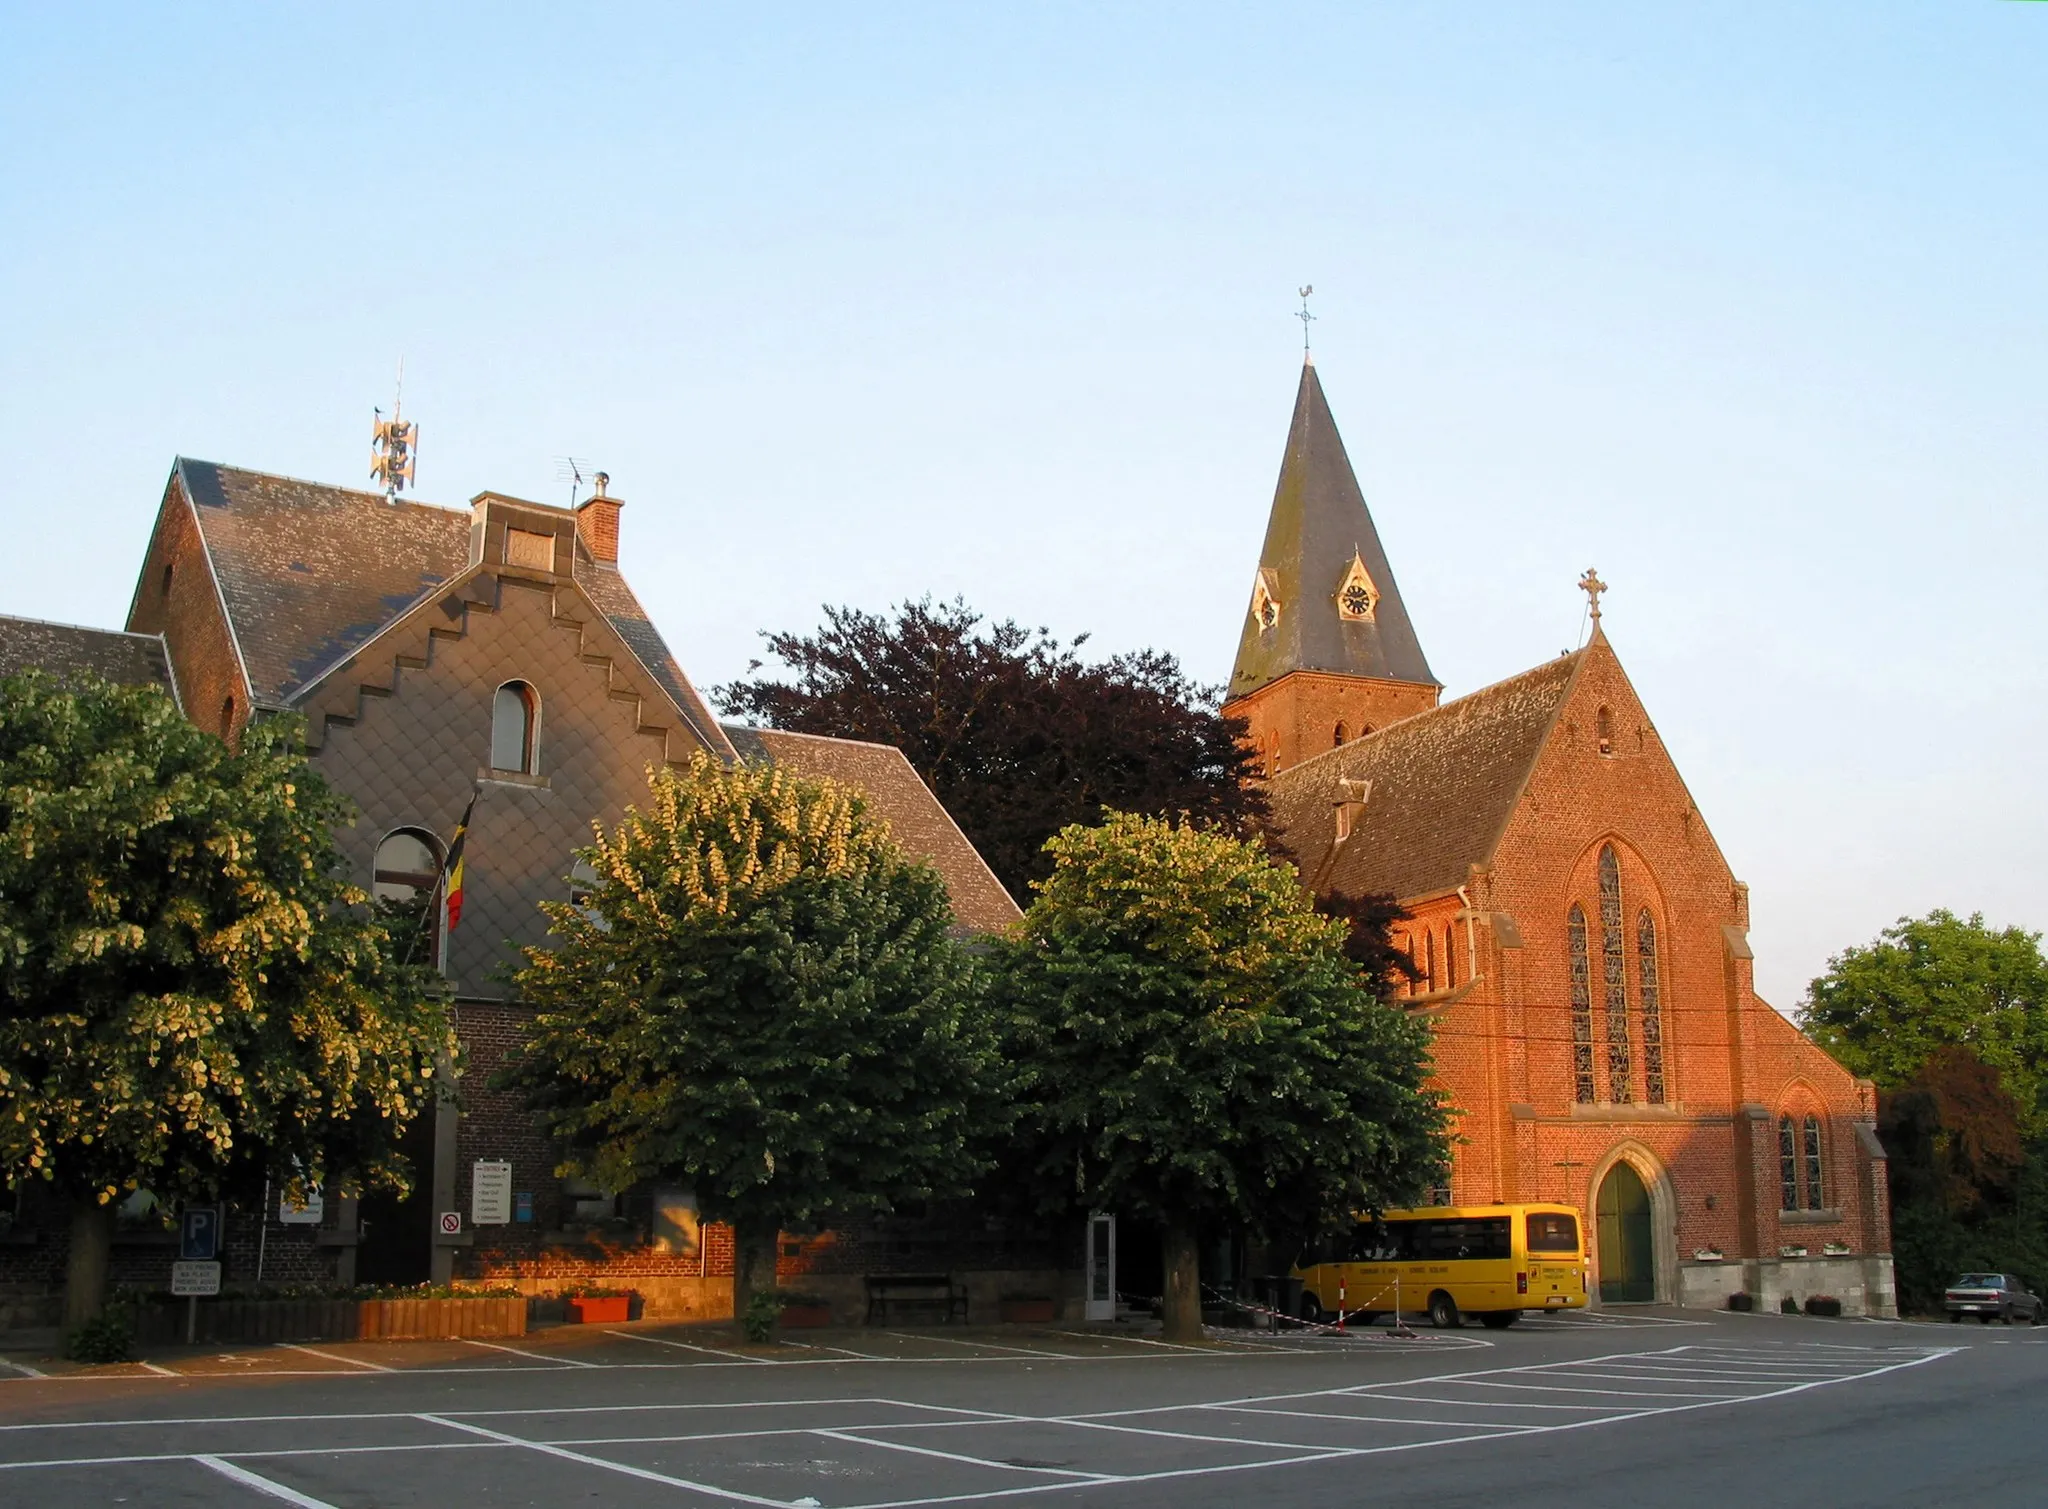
x: 574, y: 470
x: 394, y: 443
x: 1304, y: 316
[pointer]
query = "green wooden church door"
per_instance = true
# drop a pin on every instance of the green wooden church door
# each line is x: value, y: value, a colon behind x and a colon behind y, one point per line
x: 1627, y: 1271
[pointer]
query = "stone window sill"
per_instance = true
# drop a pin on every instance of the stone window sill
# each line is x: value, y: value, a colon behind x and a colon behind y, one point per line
x: 1809, y: 1217
x: 1634, y: 1111
x: 513, y: 778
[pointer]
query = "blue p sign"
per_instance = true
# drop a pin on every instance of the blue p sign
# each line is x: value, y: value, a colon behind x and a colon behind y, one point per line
x: 199, y: 1235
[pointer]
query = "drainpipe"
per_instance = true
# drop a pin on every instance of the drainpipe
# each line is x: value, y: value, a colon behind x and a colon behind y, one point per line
x: 1471, y: 937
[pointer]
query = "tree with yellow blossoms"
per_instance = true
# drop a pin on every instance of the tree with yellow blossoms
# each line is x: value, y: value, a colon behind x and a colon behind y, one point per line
x: 192, y: 998
x: 759, y: 999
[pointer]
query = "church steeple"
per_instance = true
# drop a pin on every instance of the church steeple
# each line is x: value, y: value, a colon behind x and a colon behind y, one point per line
x: 1326, y: 620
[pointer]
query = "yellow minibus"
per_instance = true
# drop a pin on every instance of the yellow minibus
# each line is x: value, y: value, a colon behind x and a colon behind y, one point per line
x: 1449, y: 1261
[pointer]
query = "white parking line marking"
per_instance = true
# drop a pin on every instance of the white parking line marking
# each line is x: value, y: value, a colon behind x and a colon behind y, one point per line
x: 547, y: 1449
x: 684, y: 1346
x: 160, y: 1372
x: 560, y: 1362
x: 996, y: 1346
x: 953, y: 1456
x: 262, y: 1485
x: 375, y: 1367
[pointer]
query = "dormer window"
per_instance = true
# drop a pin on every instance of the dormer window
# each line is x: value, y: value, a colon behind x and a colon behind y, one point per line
x: 1350, y: 805
x: 515, y: 729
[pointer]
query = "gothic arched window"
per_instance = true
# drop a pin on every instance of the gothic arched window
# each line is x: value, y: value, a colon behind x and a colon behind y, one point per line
x: 1429, y: 960
x: 1450, y: 957
x: 1650, y: 997
x: 1603, y: 725
x: 1582, y: 1009
x: 1788, y: 1165
x: 515, y: 726
x: 1341, y: 737
x: 1814, y: 1193
x: 1615, y: 976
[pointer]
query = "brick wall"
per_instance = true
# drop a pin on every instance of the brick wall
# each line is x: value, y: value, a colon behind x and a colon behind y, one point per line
x: 1296, y: 717
x: 185, y: 608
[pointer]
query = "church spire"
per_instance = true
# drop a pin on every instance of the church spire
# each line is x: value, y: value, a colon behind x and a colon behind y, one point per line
x: 1324, y: 599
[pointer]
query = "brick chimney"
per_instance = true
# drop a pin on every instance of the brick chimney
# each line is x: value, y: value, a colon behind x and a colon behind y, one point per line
x: 597, y: 522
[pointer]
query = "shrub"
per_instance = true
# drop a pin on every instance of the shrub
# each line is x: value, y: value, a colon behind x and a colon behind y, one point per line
x: 1823, y: 1304
x: 1788, y: 1306
x: 759, y: 1320
x: 108, y: 1338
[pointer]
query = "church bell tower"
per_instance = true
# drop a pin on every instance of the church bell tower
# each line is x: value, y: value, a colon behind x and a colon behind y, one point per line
x: 1327, y: 653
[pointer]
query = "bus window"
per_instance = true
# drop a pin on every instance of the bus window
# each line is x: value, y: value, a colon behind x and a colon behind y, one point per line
x: 1436, y: 1240
x: 1551, y: 1232
x: 1379, y: 1242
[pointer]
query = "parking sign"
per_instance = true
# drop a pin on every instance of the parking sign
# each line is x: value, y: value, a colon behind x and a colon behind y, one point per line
x: 199, y: 1235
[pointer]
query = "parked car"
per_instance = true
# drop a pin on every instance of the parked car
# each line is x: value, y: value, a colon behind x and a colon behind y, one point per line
x: 1991, y: 1296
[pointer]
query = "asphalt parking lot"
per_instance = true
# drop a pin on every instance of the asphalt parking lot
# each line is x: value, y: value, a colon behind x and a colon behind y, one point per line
x: 1621, y: 1406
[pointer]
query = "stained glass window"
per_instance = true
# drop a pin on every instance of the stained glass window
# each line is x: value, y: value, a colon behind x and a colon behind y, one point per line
x: 1788, y: 1166
x: 1582, y: 1009
x: 1814, y: 1193
x: 1615, y: 973
x: 1650, y: 996
x: 1429, y: 961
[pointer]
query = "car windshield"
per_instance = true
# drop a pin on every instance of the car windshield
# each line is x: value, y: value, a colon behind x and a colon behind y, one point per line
x: 1980, y: 1281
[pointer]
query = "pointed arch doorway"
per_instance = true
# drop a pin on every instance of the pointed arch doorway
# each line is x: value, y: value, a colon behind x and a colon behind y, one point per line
x: 1628, y: 1265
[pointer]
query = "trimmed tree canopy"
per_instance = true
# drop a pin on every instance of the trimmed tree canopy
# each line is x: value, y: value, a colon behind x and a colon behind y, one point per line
x: 760, y: 1001
x: 190, y: 995
x: 1014, y: 733
x: 1196, y: 1045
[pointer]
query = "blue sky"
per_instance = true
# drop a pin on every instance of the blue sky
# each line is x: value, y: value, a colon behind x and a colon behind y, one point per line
x: 1744, y: 304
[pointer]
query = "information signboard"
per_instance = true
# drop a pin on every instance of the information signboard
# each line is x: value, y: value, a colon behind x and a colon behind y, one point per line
x: 308, y: 1214
x: 490, y: 1193
x: 194, y: 1280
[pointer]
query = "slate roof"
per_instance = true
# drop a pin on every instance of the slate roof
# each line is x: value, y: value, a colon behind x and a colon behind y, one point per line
x: 65, y: 649
x: 1319, y: 520
x: 922, y: 826
x: 311, y: 573
x: 1444, y: 784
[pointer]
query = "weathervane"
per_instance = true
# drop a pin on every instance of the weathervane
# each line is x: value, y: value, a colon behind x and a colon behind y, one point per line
x: 394, y: 443
x: 1304, y: 316
x: 1592, y: 586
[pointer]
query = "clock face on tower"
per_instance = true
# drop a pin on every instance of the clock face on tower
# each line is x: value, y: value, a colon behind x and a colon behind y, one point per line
x: 1357, y: 597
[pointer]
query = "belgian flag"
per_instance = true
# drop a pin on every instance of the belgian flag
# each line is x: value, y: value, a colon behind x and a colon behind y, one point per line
x: 455, y: 862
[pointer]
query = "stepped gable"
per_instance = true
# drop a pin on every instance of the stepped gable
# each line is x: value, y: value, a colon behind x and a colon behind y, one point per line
x: 921, y: 824
x: 69, y: 649
x: 608, y: 592
x: 309, y: 573
x: 1444, y: 784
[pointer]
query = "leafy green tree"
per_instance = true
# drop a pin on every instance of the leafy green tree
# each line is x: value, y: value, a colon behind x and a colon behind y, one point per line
x: 760, y: 999
x: 1195, y: 1046
x: 1928, y: 982
x: 1013, y: 731
x: 191, y: 996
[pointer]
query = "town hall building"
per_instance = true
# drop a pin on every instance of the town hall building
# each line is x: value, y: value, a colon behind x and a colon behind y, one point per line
x: 1579, y: 940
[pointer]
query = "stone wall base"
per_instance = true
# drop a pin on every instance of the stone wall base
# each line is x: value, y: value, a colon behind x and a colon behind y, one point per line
x: 1864, y: 1285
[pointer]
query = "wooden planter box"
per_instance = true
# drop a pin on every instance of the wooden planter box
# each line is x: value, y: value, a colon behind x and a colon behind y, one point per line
x: 1037, y: 1312
x: 241, y: 1320
x: 595, y: 1310
x: 798, y: 1317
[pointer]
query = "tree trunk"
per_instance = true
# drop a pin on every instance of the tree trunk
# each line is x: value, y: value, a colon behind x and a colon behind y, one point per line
x: 753, y: 1264
x: 1182, y: 1307
x: 85, y: 1270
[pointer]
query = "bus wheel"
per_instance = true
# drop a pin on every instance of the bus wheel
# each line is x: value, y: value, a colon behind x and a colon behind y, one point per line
x: 1443, y: 1312
x: 1499, y: 1320
x: 1311, y: 1310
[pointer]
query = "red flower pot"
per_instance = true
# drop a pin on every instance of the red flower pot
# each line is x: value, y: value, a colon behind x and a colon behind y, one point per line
x: 591, y: 1310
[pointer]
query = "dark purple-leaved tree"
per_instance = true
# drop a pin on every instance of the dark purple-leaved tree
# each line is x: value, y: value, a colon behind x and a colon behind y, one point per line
x: 1014, y: 732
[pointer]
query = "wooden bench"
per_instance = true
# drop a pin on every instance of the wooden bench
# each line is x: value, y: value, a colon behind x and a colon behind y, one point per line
x: 922, y: 1296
